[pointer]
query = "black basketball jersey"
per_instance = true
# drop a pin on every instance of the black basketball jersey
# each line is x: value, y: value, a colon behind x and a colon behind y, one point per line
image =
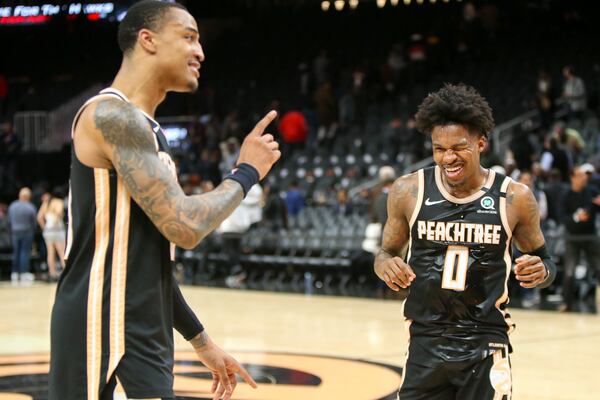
x: 460, y: 253
x: 113, y: 308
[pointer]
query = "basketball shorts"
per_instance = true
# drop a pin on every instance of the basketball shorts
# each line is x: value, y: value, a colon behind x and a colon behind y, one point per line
x: 438, y: 369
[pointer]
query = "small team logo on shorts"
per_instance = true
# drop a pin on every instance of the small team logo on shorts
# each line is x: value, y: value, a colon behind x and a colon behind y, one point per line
x: 487, y: 202
x: 500, y: 376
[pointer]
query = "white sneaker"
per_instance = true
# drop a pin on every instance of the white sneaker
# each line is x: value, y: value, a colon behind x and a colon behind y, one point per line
x: 27, y: 277
x: 14, y: 278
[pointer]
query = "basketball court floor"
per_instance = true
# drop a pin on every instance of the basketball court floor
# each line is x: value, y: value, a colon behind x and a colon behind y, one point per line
x: 310, y: 347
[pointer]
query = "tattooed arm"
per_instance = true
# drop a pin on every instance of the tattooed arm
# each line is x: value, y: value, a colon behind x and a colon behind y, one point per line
x: 389, y: 266
x: 125, y: 139
x: 534, y: 267
x: 525, y: 214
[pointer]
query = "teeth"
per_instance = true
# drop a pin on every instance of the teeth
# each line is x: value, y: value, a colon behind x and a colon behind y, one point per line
x: 452, y: 169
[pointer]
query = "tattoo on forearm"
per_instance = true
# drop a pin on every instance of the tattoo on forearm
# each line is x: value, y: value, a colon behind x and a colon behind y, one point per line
x: 200, y: 340
x: 183, y: 219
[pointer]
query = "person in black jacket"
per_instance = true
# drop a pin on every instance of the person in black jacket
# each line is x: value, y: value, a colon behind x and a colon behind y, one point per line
x: 579, y: 205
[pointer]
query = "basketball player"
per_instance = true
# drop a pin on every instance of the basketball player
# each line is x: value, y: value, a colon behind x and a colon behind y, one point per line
x: 117, y: 301
x: 457, y: 220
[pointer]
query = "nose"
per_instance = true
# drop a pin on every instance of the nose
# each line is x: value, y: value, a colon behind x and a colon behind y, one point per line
x: 449, y: 156
x: 199, y: 52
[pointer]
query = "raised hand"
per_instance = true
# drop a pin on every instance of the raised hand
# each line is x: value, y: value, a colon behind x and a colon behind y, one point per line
x: 260, y: 151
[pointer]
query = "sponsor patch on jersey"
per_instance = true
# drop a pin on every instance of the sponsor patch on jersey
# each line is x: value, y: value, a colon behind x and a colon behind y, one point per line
x: 487, y: 203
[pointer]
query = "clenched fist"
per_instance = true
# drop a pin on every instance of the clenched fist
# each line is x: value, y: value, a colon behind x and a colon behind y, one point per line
x: 395, y: 273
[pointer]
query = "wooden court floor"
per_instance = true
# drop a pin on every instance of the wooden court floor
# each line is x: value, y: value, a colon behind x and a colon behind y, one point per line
x: 312, y: 347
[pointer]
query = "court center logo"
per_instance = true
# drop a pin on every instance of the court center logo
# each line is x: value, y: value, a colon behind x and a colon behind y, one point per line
x: 279, y: 376
x: 487, y: 203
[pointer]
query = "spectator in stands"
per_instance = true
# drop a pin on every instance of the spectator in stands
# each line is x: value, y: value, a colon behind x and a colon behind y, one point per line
x: 544, y: 99
x: 293, y: 128
x: 555, y: 188
x: 593, y: 176
x: 343, y: 205
x: 363, y: 201
x: 579, y: 207
x: 522, y: 150
x: 230, y: 150
x: 208, y: 166
x: 346, y: 108
x: 22, y: 216
x: 555, y: 156
x: 51, y: 219
x: 232, y: 126
x: 326, y: 108
x: 574, y: 93
x: 232, y: 229
x: 274, y: 211
x: 570, y: 139
x: 294, y: 200
x: 392, y: 70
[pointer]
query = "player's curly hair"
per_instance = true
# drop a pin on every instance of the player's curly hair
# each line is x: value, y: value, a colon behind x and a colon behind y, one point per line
x: 147, y: 14
x: 455, y: 104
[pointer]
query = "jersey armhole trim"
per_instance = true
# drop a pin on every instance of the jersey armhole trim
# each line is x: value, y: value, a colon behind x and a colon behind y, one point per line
x: 421, y: 192
x: 503, y: 207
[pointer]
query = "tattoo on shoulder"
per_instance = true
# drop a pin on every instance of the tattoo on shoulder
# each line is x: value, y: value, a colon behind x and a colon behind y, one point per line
x: 510, y: 196
x: 406, y: 188
x: 122, y: 125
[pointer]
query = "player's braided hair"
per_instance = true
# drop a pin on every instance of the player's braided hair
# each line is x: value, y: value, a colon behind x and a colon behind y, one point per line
x: 455, y: 104
x: 147, y: 14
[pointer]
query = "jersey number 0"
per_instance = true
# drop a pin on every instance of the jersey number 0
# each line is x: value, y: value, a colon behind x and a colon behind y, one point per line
x: 454, y: 274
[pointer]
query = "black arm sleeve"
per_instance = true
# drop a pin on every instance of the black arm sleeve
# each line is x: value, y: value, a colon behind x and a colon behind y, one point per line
x: 542, y: 253
x: 184, y: 319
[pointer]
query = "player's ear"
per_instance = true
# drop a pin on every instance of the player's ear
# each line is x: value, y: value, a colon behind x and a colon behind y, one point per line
x: 147, y: 40
x: 481, y: 143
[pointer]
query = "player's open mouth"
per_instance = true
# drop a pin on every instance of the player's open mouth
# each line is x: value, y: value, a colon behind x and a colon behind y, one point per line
x: 454, y: 171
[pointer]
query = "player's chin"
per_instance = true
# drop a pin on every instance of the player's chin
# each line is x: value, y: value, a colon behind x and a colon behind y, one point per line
x: 188, y: 86
x: 192, y: 85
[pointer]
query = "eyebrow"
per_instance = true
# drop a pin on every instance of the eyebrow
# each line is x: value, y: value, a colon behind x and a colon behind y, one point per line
x: 461, y: 144
x: 189, y: 28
